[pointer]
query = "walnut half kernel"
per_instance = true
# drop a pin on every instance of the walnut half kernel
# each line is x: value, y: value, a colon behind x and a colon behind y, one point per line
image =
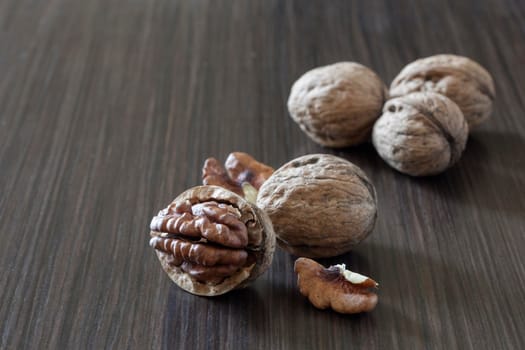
x: 210, y: 240
x: 241, y: 174
x: 335, y: 287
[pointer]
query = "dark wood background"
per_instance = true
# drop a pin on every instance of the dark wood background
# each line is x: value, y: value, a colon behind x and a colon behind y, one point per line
x: 109, y: 108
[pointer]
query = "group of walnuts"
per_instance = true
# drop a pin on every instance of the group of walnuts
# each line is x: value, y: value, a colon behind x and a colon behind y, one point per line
x: 419, y: 127
x: 220, y: 236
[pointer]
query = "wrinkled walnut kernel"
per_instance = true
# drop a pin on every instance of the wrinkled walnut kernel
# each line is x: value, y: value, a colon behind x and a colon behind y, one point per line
x: 217, y: 222
x: 335, y: 287
x: 241, y: 174
x: 198, y: 253
x: 213, y: 173
x: 209, y: 222
x: 210, y: 240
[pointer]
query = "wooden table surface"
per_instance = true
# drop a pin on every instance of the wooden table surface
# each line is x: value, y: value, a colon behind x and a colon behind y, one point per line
x: 109, y: 108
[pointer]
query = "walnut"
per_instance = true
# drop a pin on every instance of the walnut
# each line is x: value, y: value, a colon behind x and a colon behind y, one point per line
x: 336, y: 105
x: 320, y: 205
x: 459, y: 78
x: 420, y: 134
x: 241, y: 174
x: 210, y: 240
x: 335, y: 287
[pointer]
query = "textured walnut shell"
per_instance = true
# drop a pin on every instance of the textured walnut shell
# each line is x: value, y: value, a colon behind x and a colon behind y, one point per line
x: 260, y: 246
x: 459, y: 78
x: 420, y: 133
x: 320, y: 205
x: 336, y: 105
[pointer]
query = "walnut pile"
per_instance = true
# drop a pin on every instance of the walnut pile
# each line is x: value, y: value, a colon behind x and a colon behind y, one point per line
x: 320, y: 205
x: 336, y: 105
x: 218, y: 237
x: 210, y: 240
x: 420, y: 133
x: 459, y: 78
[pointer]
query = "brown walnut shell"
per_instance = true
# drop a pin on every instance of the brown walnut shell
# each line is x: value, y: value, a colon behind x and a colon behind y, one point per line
x: 336, y: 105
x: 459, y: 78
x: 210, y: 240
x: 420, y: 134
x: 320, y: 205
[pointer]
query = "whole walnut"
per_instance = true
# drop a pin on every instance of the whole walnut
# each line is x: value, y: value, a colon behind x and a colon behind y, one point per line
x: 459, y: 78
x: 320, y: 205
x: 419, y: 134
x: 336, y: 105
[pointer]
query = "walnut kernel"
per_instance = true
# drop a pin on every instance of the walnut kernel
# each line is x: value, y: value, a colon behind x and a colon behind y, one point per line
x: 210, y: 240
x: 335, y: 287
x: 241, y: 174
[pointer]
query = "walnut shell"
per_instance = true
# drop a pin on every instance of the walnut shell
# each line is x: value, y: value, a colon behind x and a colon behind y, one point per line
x: 192, y: 268
x: 336, y: 105
x: 420, y: 134
x: 459, y: 78
x: 320, y: 205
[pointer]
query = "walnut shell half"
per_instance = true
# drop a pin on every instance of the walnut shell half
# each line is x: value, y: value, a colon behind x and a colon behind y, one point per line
x: 320, y: 205
x: 420, y: 134
x: 336, y: 105
x: 210, y: 240
x: 459, y: 78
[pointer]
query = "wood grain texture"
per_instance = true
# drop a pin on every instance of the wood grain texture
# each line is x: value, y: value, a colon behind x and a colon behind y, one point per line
x: 109, y: 108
